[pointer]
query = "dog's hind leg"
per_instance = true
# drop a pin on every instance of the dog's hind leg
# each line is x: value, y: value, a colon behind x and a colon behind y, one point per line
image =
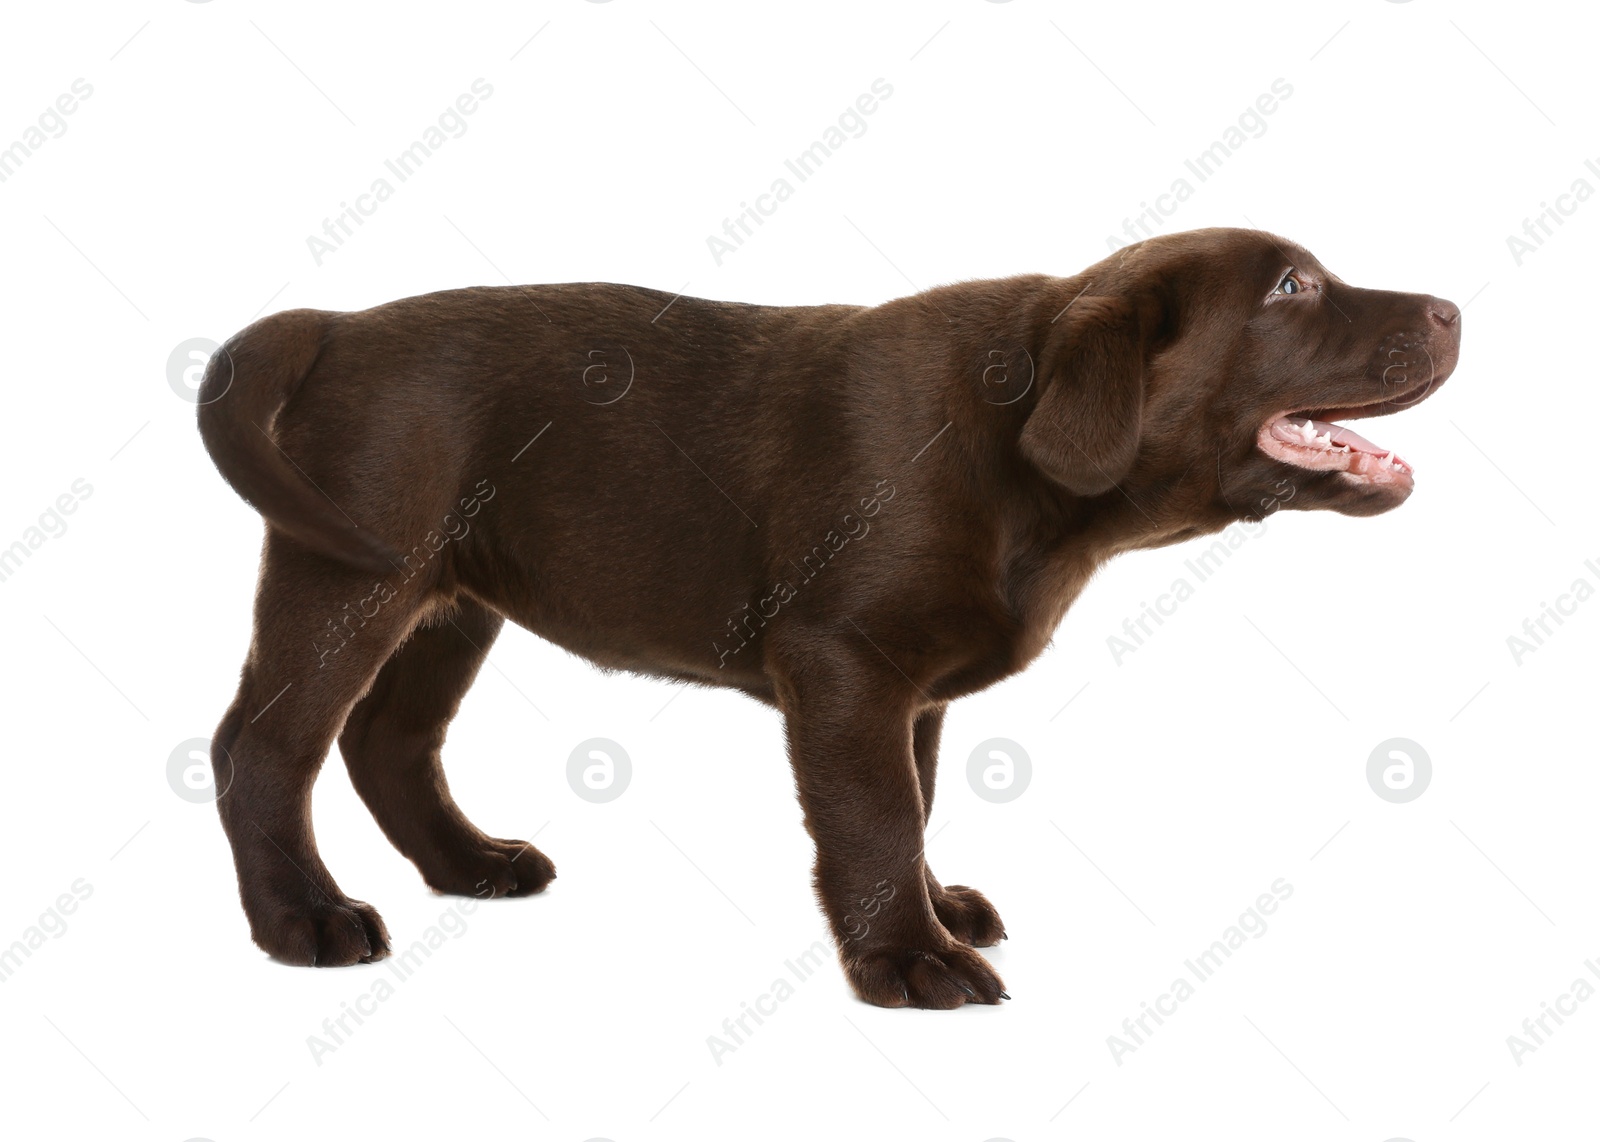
x: 322, y: 630
x: 391, y: 743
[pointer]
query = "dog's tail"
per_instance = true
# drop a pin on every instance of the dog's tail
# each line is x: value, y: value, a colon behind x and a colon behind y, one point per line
x: 247, y: 383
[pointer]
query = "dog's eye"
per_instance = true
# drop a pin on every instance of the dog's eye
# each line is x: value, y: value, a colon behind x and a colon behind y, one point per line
x: 1289, y: 284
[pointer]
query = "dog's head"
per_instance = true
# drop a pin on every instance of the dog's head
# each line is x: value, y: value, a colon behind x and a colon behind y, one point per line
x: 1202, y: 374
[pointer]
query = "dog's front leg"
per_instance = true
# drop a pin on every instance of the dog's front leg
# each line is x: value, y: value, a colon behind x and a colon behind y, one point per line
x: 850, y: 742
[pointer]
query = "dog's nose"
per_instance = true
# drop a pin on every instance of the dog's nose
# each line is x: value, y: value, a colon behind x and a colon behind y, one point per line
x: 1446, y: 313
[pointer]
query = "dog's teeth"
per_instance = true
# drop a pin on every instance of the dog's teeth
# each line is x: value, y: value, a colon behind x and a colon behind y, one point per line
x: 1325, y: 440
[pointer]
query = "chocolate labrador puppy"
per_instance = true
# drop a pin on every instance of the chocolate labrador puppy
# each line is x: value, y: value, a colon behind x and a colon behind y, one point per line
x: 854, y: 514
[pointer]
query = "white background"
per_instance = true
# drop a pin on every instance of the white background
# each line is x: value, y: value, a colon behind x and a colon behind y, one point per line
x: 1229, y: 751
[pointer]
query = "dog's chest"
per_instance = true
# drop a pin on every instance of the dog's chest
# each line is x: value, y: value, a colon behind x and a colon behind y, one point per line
x: 1040, y: 593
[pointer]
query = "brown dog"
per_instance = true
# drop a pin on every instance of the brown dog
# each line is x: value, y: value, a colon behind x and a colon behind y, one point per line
x: 853, y: 514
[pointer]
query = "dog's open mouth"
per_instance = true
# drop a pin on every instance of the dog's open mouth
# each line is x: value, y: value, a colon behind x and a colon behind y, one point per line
x: 1306, y: 442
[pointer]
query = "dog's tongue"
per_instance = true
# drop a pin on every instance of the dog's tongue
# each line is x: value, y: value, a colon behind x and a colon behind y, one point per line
x: 1303, y: 430
x: 1321, y: 446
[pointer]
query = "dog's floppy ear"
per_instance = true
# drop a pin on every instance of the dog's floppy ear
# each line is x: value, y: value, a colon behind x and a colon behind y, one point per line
x: 1084, y: 431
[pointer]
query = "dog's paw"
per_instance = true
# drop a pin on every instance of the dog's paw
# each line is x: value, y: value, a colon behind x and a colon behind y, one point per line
x: 945, y: 978
x: 324, y: 935
x: 488, y: 868
x: 967, y: 915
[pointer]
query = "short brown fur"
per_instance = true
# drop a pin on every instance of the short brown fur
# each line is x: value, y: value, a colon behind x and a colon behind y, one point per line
x: 853, y: 514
